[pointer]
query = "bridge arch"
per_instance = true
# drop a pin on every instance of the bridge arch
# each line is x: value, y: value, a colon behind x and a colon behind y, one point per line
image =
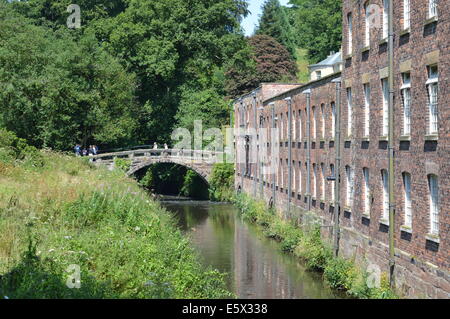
x: 199, y: 169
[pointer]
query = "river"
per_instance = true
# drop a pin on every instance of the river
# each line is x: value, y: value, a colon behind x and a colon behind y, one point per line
x: 256, y: 267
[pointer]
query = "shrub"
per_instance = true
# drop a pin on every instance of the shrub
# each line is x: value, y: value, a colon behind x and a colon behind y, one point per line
x: 313, y: 251
x: 221, y: 182
x: 122, y: 164
x: 340, y: 273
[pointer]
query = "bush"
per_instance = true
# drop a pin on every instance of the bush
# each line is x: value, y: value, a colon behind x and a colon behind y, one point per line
x: 340, y: 273
x: 16, y: 150
x: 122, y: 164
x: 221, y: 182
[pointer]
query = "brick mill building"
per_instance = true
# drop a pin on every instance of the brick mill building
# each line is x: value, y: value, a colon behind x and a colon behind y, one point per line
x: 337, y: 126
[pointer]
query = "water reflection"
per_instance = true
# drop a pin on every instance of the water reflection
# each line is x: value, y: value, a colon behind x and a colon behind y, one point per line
x: 256, y: 266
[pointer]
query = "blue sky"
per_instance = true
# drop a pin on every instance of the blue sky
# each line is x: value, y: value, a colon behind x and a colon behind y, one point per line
x: 251, y: 21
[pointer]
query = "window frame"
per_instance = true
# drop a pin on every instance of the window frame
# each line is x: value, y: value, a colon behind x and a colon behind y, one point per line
x: 433, y: 184
x: 366, y: 88
x: 406, y: 101
x: 407, y: 205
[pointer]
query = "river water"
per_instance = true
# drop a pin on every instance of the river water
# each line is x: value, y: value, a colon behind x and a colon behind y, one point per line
x: 256, y: 267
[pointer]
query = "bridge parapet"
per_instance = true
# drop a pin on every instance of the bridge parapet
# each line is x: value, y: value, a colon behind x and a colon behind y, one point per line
x: 200, y: 161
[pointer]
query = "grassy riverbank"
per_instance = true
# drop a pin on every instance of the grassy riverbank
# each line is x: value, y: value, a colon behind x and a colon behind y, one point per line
x: 57, y: 211
x: 339, y: 273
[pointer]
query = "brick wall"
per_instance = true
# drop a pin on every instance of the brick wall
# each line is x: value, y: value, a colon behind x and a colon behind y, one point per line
x: 422, y: 262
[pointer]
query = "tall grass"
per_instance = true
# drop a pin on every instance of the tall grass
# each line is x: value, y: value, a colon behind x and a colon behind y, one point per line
x: 67, y: 212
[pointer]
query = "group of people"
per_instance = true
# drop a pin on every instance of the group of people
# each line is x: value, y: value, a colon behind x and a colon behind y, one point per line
x: 91, y: 151
x: 155, y: 146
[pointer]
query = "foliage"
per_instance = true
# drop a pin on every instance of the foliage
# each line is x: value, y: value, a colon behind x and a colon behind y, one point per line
x: 123, y: 77
x: 318, y: 26
x: 14, y: 149
x: 126, y: 245
x: 194, y: 186
x: 272, y: 63
x: 207, y: 106
x: 221, y: 182
x: 340, y: 273
x: 314, y: 251
x: 274, y: 22
x: 122, y: 163
x: 69, y: 92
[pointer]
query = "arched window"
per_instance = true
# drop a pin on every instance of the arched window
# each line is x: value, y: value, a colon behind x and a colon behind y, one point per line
x: 366, y: 191
x: 407, y: 199
x: 349, y: 34
x: 314, y: 123
x: 367, y: 24
x: 432, y: 8
x: 333, y: 173
x: 406, y: 14
x: 349, y: 186
x: 322, y: 175
x: 434, y: 204
x: 333, y: 119
x: 385, y: 186
x: 366, y: 109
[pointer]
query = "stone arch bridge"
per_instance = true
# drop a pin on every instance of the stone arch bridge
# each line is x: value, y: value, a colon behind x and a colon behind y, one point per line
x: 199, y: 161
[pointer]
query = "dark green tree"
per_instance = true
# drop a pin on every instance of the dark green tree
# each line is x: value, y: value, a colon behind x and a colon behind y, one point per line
x: 56, y: 92
x: 318, y: 26
x: 272, y: 63
x: 274, y: 22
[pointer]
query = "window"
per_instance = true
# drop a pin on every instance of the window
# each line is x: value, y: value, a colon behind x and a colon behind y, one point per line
x: 406, y: 94
x: 300, y: 125
x: 322, y: 112
x: 294, y: 173
x: 432, y: 85
x: 299, y: 177
x: 322, y: 168
x: 434, y: 204
x: 314, y: 181
x: 281, y: 128
x: 318, y: 75
x: 333, y: 119
x: 406, y: 14
x: 349, y: 186
x: 350, y: 34
x: 385, y: 184
x: 385, y: 123
x: 367, y: 24
x: 314, y: 123
x: 332, y: 183
x: 407, y: 198
x: 366, y: 110
x: 350, y: 112
x: 286, y: 133
x: 282, y: 174
x: 432, y: 8
x: 385, y: 18
x: 366, y: 191
x: 294, y: 126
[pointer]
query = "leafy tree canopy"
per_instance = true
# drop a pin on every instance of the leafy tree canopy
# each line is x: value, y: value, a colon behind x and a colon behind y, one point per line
x: 272, y: 63
x: 274, y: 22
x: 56, y: 92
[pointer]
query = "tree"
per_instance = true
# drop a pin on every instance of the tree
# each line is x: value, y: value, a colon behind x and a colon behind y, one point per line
x: 272, y: 63
x: 318, y: 26
x: 56, y: 92
x: 274, y: 22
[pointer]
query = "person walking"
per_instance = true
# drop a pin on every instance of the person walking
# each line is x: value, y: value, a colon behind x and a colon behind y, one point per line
x: 95, y: 149
x: 77, y: 150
